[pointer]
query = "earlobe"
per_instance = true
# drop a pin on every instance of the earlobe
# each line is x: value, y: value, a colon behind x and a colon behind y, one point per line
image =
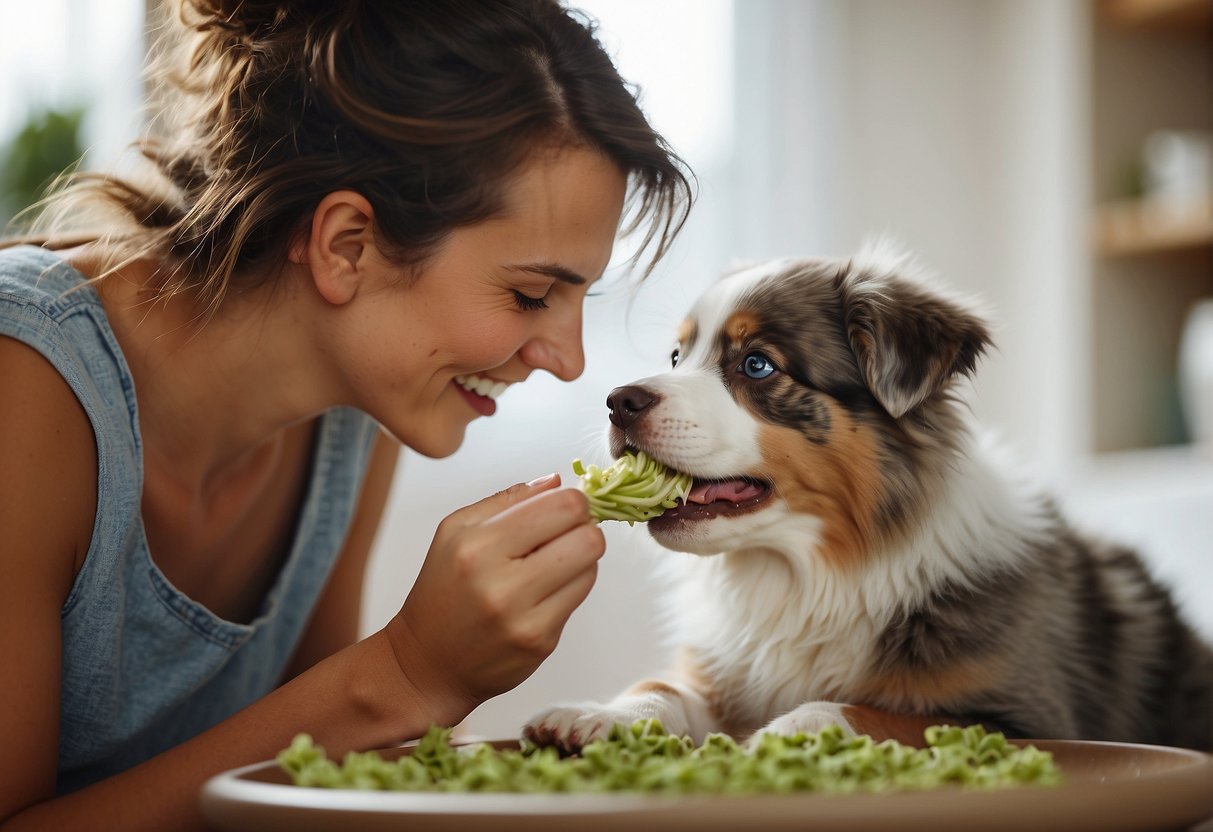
x: 341, y: 245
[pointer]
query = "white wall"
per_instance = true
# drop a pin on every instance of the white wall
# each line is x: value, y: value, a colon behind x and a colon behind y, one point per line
x: 956, y: 127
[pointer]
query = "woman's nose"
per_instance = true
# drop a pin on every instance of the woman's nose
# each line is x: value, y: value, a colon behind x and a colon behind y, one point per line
x: 558, y: 350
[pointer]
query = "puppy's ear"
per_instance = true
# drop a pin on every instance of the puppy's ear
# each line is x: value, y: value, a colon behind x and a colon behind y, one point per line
x: 909, y: 341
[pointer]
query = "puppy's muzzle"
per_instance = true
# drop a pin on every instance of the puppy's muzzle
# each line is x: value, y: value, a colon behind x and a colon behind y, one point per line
x: 628, y: 403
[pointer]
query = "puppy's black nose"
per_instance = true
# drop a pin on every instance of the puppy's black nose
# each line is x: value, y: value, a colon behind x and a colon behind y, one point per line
x: 627, y: 403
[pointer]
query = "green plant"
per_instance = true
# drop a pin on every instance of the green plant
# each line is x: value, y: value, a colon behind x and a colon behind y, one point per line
x: 46, y: 146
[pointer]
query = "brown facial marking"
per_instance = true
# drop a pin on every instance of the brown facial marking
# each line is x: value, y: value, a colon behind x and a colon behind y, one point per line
x: 740, y: 326
x: 686, y: 331
x: 838, y: 480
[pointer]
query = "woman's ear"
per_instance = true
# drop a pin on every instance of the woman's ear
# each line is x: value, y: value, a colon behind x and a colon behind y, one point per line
x: 341, y: 247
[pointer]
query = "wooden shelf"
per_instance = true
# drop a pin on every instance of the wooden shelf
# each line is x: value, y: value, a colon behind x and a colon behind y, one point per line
x: 1145, y: 227
x: 1186, y: 16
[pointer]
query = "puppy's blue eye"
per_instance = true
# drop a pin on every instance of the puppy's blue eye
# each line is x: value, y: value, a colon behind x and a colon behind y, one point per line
x: 756, y: 365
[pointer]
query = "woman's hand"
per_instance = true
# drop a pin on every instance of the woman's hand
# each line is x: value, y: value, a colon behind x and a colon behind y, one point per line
x: 501, y: 578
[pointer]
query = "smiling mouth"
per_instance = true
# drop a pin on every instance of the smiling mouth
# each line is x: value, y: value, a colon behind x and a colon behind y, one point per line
x: 480, y: 392
x: 482, y: 385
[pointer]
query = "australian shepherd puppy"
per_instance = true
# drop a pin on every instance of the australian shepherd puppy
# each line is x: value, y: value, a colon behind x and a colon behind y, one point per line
x: 861, y: 558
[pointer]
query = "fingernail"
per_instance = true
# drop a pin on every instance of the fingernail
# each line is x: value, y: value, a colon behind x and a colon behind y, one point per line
x: 544, y: 480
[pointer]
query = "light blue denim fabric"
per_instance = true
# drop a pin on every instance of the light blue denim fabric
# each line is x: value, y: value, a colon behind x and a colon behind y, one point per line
x: 145, y: 667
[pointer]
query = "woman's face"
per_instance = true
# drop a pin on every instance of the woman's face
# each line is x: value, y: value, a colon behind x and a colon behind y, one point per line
x: 498, y: 300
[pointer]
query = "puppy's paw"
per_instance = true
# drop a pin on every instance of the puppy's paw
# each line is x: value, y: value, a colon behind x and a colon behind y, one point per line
x: 569, y: 727
x: 809, y: 718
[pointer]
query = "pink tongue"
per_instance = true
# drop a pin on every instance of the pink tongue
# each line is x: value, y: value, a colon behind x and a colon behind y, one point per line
x: 734, y: 491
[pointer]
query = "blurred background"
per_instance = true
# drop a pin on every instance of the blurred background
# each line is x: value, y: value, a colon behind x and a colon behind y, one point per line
x: 1052, y: 157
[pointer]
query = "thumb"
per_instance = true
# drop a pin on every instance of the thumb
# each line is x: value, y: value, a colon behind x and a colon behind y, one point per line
x: 493, y: 505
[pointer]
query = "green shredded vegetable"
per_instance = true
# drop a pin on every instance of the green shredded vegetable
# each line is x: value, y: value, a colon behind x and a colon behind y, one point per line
x: 644, y: 758
x: 634, y: 488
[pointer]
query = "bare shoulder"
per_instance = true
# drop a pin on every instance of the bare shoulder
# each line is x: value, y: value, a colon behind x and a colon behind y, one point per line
x: 48, y: 494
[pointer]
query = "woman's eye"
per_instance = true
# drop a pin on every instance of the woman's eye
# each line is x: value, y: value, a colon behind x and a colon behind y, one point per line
x: 674, y: 358
x: 756, y: 365
x: 528, y: 303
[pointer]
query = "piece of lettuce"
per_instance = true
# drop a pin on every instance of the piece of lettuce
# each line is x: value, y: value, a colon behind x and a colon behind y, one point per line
x: 634, y: 488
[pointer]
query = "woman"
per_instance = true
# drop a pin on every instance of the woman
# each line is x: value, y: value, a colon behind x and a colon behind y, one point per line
x: 358, y: 216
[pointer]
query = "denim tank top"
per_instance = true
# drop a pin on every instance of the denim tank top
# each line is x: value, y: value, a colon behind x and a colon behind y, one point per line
x: 144, y: 666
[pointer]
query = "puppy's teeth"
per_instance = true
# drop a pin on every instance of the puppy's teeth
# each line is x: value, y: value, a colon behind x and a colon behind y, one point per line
x: 483, y: 386
x: 461, y: 379
x: 498, y: 389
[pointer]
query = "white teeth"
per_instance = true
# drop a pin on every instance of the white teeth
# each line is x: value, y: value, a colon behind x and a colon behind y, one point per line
x: 482, y: 386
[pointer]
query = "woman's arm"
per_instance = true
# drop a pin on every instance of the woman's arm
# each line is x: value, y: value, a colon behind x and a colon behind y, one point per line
x: 48, y: 499
x: 343, y: 702
x: 334, y: 623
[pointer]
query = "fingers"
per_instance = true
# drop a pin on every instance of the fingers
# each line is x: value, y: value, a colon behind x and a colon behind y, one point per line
x: 502, y: 500
x: 536, y: 632
x: 539, y: 520
x: 554, y: 564
x: 551, y: 614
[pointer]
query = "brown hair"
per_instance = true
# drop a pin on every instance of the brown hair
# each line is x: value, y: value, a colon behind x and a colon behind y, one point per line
x: 422, y: 106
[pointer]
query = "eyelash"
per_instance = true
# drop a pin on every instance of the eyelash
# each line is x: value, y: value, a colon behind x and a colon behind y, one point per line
x: 528, y: 303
